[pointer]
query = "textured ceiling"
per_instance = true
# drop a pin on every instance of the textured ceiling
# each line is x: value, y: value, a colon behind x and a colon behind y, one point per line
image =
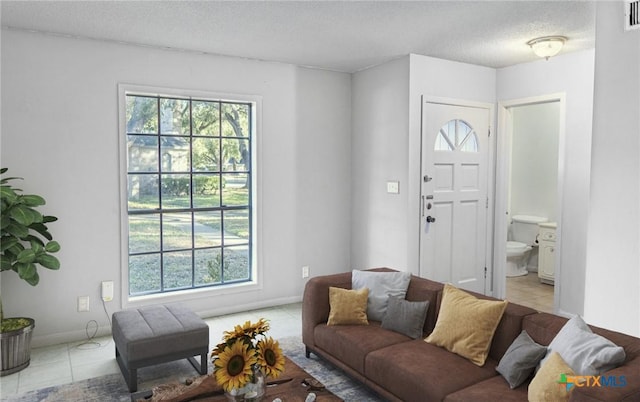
x: 336, y: 35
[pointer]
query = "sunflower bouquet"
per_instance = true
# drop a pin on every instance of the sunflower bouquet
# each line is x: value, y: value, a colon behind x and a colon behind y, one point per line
x: 244, y: 350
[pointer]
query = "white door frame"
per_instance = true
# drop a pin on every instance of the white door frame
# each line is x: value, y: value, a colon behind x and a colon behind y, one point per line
x: 491, y: 158
x: 505, y: 133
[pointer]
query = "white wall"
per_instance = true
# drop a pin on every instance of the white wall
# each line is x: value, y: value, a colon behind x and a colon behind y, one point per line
x: 60, y: 132
x: 571, y: 74
x: 379, y: 150
x: 534, y: 160
x: 613, y: 259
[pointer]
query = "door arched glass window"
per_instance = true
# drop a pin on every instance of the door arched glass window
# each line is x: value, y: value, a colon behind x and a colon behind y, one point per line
x: 456, y: 135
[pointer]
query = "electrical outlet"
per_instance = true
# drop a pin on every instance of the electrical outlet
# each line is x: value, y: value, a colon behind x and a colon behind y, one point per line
x: 83, y: 304
x: 107, y: 291
x: 305, y: 271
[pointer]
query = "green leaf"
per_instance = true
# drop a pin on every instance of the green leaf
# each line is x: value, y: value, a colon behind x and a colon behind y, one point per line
x: 42, y: 229
x: 34, y: 240
x: 17, y: 230
x: 48, y: 261
x: 52, y: 247
x: 26, y: 271
x: 22, y: 215
x: 7, y: 193
x: 27, y: 256
x: 4, y: 221
x: 33, y: 280
x: 7, y: 242
x: 32, y: 200
x: 48, y: 219
x: 5, y: 263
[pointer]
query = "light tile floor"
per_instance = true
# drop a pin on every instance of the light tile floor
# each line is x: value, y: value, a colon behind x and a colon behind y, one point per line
x: 69, y: 362
x: 528, y: 291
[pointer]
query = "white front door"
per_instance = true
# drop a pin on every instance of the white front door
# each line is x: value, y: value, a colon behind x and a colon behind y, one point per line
x: 454, y: 205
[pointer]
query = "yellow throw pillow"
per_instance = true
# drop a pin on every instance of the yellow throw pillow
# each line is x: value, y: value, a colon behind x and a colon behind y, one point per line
x: 466, y: 324
x: 348, y: 306
x: 547, y: 385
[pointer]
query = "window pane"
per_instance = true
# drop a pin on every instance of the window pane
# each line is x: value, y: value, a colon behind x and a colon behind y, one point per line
x: 235, y: 189
x: 206, y: 190
x: 236, y: 263
x: 174, y: 116
x: 142, y: 191
x: 470, y: 143
x: 206, y: 118
x: 207, y: 229
x: 206, y: 155
x: 235, y: 155
x: 176, y: 270
x: 176, y: 231
x: 208, y: 266
x: 235, y: 120
x: 441, y: 143
x: 144, y: 273
x: 144, y: 233
x: 174, y: 152
x: 175, y: 191
x: 236, y: 227
x: 142, y: 153
x: 142, y: 114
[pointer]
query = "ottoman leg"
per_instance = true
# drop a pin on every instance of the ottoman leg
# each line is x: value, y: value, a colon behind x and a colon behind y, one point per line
x: 130, y: 375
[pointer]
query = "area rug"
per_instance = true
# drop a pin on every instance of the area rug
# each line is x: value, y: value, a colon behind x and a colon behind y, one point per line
x: 113, y: 388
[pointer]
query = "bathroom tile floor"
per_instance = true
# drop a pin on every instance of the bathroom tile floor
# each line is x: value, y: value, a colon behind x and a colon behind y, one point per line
x: 528, y: 291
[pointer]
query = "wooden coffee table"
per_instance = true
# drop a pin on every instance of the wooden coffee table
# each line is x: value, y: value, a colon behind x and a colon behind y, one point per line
x: 291, y: 386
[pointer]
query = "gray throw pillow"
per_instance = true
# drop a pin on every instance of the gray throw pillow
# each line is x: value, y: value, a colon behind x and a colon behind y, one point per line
x: 520, y: 359
x: 381, y: 285
x: 406, y: 317
x: 585, y: 352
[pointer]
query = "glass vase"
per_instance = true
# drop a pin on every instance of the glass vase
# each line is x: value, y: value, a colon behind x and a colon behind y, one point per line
x: 253, y: 391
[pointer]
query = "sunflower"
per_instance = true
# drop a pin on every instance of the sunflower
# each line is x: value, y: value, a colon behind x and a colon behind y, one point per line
x: 233, y: 366
x: 247, y: 330
x: 270, y: 357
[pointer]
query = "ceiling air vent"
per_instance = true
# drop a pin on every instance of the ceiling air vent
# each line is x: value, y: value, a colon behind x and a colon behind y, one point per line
x: 631, y: 15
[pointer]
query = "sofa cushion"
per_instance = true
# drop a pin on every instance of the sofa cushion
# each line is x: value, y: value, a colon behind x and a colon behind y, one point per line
x: 405, y: 316
x: 585, y: 352
x: 466, y: 324
x: 351, y: 343
x: 544, y: 387
x: 381, y: 285
x: 491, y: 390
x: 520, y: 360
x: 347, y: 307
x: 419, y: 371
x: 421, y: 289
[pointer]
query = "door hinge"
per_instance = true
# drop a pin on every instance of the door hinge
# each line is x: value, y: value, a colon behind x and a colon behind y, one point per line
x: 489, y: 130
x: 486, y: 204
x: 485, y: 272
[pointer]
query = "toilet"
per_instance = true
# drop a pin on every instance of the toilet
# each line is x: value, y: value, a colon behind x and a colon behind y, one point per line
x: 522, y: 243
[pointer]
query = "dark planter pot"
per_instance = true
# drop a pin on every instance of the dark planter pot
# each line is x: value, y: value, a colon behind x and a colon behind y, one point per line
x: 16, y: 349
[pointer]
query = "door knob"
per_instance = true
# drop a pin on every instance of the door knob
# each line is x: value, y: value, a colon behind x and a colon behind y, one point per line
x: 431, y: 219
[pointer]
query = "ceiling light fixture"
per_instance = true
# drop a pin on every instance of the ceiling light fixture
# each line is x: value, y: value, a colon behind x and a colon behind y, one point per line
x: 547, y: 46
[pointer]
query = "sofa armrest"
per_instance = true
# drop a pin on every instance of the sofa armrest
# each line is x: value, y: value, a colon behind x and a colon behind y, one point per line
x: 619, y: 384
x: 315, y: 302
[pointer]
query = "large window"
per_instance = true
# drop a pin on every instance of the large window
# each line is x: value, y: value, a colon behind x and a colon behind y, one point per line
x: 188, y: 172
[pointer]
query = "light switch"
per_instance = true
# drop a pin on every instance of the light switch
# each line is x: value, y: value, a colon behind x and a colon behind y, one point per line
x: 393, y: 187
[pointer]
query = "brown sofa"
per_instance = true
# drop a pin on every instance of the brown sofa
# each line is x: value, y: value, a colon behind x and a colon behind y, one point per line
x: 399, y: 368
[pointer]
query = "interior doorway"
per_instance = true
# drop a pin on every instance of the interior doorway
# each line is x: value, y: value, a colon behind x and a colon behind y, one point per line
x: 529, y: 182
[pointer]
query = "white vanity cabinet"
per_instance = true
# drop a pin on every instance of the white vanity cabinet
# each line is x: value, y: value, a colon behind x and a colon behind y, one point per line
x: 547, y: 252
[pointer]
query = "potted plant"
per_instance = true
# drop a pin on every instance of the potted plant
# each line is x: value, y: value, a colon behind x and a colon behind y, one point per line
x: 25, y: 243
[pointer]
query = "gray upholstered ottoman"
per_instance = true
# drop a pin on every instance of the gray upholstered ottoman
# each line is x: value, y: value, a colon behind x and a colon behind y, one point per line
x: 158, y: 334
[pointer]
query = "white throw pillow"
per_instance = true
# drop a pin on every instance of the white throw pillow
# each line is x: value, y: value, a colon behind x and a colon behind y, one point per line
x: 381, y: 285
x: 585, y: 352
